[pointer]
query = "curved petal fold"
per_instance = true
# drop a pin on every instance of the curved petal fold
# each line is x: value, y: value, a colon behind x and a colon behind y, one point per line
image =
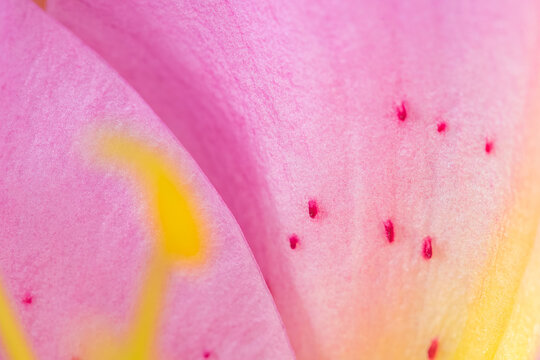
x: 114, y: 245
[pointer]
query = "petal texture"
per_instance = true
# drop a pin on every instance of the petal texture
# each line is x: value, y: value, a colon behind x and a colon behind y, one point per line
x: 380, y: 157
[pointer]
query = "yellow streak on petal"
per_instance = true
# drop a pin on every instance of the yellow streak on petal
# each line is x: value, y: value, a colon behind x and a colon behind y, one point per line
x: 178, y: 236
x: 520, y: 341
x: 144, y: 328
x: 490, y: 315
x: 11, y: 334
x: 172, y: 211
x: 499, y: 309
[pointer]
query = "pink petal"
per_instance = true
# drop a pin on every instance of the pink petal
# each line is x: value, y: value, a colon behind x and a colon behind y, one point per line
x: 341, y: 103
x: 76, y: 232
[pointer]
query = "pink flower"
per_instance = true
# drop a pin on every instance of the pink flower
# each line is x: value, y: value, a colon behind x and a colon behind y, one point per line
x: 381, y: 159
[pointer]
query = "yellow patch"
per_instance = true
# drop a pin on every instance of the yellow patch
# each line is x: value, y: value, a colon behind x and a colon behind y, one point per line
x: 503, y: 322
x: 177, y: 233
x: 169, y: 198
x: 11, y: 334
x: 490, y: 315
